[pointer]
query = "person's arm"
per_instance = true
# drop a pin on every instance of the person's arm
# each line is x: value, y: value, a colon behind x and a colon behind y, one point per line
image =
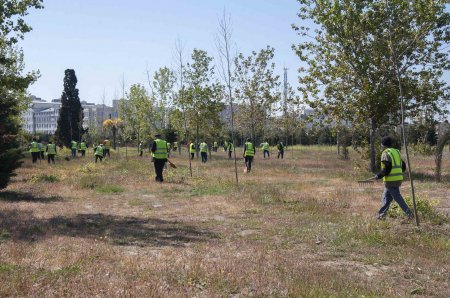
x: 245, y: 149
x: 153, y: 147
x: 387, y: 169
x: 403, y: 166
x: 46, y: 148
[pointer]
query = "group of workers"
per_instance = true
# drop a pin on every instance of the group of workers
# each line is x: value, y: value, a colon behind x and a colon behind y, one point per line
x: 392, y: 165
x: 38, y: 150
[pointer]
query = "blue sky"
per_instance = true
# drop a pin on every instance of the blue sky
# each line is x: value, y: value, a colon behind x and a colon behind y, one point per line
x: 105, y: 39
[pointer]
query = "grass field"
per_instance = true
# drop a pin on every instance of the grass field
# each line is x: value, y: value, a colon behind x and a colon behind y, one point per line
x: 298, y: 227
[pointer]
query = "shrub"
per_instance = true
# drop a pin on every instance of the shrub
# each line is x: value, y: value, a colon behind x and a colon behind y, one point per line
x: 43, y: 178
x: 425, y: 208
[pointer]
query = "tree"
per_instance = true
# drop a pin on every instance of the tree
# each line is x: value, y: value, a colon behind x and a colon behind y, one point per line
x: 114, y: 125
x: 136, y: 111
x: 13, y: 83
x: 70, y: 120
x: 256, y: 81
x: 162, y: 92
x: 351, y: 72
x: 202, y: 99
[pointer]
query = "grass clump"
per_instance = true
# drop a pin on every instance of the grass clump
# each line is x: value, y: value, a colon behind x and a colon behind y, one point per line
x: 43, y: 178
x: 110, y: 188
x: 425, y: 208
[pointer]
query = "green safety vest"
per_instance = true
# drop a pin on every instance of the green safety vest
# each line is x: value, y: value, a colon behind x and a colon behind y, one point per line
x: 250, y: 149
x: 99, y: 151
x: 107, y: 144
x: 203, y: 147
x: 192, y: 148
x: 34, y: 147
x: 281, y: 147
x: 51, y: 149
x: 161, y: 149
x: 265, y: 146
x: 41, y: 147
x: 83, y: 146
x: 74, y: 145
x: 230, y: 147
x: 396, y: 173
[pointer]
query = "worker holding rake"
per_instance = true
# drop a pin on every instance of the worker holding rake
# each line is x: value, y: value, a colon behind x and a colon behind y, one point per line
x: 392, y: 168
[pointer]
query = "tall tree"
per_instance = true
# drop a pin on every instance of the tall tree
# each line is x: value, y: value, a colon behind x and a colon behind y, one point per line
x: 201, y: 100
x: 351, y: 72
x: 70, y: 120
x: 136, y: 111
x: 162, y: 92
x: 13, y: 82
x: 256, y: 93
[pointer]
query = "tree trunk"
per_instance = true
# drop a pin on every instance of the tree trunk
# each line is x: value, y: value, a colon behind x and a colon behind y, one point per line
x: 372, y: 146
x: 114, y: 137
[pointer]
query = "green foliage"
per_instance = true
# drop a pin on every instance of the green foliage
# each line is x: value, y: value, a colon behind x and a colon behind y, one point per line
x: 349, y: 74
x: 425, y: 208
x: 256, y: 93
x: 70, y: 120
x: 162, y: 92
x: 13, y: 83
x: 422, y: 149
x: 108, y: 188
x: 43, y: 178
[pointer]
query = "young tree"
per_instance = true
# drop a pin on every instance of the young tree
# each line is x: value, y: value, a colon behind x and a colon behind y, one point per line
x: 70, y: 120
x: 114, y: 125
x: 137, y: 113
x: 13, y: 83
x: 201, y: 100
x: 350, y: 71
x: 255, y: 77
x: 162, y: 92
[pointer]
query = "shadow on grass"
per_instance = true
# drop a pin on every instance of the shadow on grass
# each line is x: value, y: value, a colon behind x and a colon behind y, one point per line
x: 117, y: 230
x: 428, y: 177
x: 13, y: 196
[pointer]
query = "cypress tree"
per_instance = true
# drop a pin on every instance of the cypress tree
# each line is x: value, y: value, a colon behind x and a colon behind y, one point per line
x: 70, y: 121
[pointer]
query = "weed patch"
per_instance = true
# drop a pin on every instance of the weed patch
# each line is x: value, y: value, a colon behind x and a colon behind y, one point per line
x: 107, y: 188
x: 425, y: 208
x: 43, y: 178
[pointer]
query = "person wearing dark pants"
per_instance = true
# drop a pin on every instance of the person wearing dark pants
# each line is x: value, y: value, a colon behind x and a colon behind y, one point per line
x: 249, y: 153
x: 265, y: 147
x: 230, y: 148
x: 280, y: 148
x: 42, y: 148
x: 74, y: 147
x: 83, y: 148
x: 204, y: 152
x: 35, y: 151
x: 392, y: 168
x: 141, y: 148
x: 159, y: 153
x: 51, y: 152
x: 192, y: 150
x: 99, y: 153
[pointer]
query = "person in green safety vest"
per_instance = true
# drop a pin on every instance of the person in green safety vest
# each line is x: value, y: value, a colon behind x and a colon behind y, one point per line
x: 281, y: 148
x: 51, y: 152
x: 106, y: 147
x: 265, y: 147
x: 392, y: 168
x: 192, y: 149
x: 99, y: 153
x: 42, y: 150
x: 225, y: 146
x: 168, y: 149
x: 249, y: 153
x: 230, y: 148
x: 83, y: 148
x: 204, y: 151
x: 35, y: 151
x: 141, y: 148
x: 175, y: 146
x: 159, y: 153
x: 215, y: 146
x: 74, y: 147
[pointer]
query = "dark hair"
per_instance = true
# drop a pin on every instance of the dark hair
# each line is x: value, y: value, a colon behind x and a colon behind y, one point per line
x: 386, y: 141
x: 249, y: 140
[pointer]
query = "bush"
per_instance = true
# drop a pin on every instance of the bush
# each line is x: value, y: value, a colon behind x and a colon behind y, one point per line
x: 423, y: 149
x: 425, y: 208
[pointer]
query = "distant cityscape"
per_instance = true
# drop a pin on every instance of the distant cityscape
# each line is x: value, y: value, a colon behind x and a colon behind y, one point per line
x: 42, y: 116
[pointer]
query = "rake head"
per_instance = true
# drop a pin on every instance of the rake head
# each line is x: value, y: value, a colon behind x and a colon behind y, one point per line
x: 367, y: 182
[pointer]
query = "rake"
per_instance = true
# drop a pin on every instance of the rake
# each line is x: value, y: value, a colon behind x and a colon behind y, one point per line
x: 367, y: 182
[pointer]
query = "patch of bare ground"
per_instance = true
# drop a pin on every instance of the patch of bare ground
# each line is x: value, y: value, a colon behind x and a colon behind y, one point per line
x: 298, y: 227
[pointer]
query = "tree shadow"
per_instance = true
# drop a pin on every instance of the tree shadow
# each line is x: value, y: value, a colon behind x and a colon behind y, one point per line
x: 428, y: 177
x: 117, y: 230
x: 13, y: 196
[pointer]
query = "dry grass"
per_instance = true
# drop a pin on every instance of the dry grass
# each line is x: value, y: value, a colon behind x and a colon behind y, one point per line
x: 299, y: 227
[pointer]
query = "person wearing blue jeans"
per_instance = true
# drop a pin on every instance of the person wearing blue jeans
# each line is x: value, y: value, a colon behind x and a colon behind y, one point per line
x: 392, y: 168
